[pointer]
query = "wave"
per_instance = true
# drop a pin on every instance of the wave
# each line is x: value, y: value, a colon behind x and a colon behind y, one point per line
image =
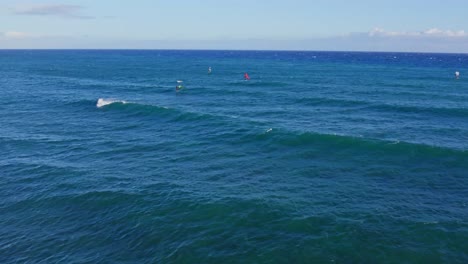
x: 345, y: 144
x: 172, y: 114
x: 101, y: 102
x: 451, y: 97
x: 279, y: 136
x: 376, y: 106
x: 442, y: 111
x: 136, y: 108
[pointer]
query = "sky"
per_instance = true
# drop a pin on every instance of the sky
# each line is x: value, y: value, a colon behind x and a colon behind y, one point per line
x: 358, y: 25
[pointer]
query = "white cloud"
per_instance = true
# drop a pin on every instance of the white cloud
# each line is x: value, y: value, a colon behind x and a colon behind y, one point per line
x: 61, y: 10
x: 446, y: 33
x: 16, y: 35
x: 431, y: 40
x: 433, y: 32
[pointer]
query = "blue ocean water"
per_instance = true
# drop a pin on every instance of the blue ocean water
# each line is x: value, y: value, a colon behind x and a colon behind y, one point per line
x: 322, y: 157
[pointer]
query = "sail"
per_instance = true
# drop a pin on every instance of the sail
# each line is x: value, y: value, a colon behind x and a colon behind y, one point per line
x: 246, y: 76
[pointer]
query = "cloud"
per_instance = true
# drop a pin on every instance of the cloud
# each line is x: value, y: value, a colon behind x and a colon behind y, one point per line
x: 61, y: 10
x: 16, y: 35
x: 431, y: 40
x: 433, y: 32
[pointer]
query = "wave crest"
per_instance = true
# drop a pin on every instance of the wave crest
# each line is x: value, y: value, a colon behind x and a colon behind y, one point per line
x: 101, y: 102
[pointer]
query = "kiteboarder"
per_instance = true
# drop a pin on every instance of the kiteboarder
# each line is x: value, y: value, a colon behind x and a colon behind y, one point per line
x: 179, y: 86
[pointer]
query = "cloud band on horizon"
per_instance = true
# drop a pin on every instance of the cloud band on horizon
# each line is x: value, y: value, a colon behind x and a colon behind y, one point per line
x: 60, y: 10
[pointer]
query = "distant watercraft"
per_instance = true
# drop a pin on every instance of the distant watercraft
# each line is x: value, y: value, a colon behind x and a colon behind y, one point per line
x: 179, y: 86
x: 457, y: 75
x: 246, y: 76
x: 209, y: 70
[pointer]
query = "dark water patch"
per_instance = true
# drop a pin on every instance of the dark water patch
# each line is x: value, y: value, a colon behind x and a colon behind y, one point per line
x: 256, y: 231
x: 24, y: 180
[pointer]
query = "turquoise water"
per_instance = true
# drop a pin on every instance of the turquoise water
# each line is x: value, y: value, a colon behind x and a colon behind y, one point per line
x: 322, y: 157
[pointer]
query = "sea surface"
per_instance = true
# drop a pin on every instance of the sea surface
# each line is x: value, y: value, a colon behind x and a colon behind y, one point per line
x: 322, y: 157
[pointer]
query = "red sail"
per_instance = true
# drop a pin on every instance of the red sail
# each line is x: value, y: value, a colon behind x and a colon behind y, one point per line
x: 246, y: 76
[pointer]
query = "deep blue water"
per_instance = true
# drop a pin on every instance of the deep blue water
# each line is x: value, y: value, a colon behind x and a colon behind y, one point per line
x: 322, y: 157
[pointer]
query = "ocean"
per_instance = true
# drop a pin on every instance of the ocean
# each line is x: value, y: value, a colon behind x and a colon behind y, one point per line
x: 321, y: 157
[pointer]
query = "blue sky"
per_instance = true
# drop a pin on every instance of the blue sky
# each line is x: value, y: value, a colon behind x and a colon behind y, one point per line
x: 411, y: 25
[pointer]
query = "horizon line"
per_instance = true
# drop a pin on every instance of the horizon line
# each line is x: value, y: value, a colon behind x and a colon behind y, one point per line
x: 246, y: 50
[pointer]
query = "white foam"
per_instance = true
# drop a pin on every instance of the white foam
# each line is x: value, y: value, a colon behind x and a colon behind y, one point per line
x: 269, y: 130
x: 101, y: 102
